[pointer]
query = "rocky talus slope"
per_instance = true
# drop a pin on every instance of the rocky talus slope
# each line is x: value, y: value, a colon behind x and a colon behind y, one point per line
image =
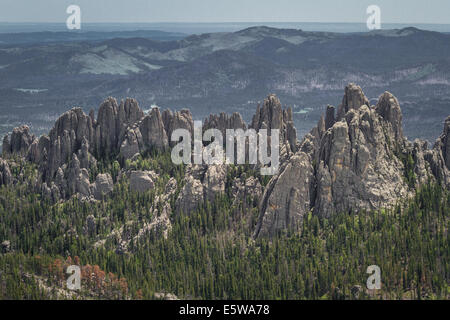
x: 355, y: 158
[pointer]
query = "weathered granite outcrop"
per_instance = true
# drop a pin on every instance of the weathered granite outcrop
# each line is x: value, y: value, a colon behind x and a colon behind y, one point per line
x: 353, y: 99
x: 79, y: 137
x: 71, y: 130
x: 355, y: 159
x: 329, y: 117
x: 107, y: 128
x: 445, y: 141
x: 20, y: 142
x: 77, y: 178
x: 358, y: 159
x: 357, y: 166
x: 6, y: 146
x: 243, y: 188
x: 112, y: 123
x: 5, y: 173
x: 177, y: 120
x: 145, y: 134
x: 102, y: 186
x: 272, y: 116
x: 153, y: 130
x: 191, y: 195
x: 142, y: 181
x: 287, y: 197
x: 214, y: 181
x: 132, y: 143
x: 223, y: 121
x: 161, y: 212
x: 438, y: 158
x: 202, y: 183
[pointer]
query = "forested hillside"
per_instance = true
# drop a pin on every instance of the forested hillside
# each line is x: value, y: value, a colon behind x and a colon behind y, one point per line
x: 210, y: 253
x: 103, y: 192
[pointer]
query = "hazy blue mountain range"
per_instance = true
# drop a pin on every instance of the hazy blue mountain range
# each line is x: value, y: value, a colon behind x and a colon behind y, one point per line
x: 68, y: 36
x: 209, y: 27
x: 225, y: 71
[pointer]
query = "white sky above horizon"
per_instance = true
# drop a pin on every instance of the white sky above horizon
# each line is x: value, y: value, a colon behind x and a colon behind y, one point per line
x: 122, y: 11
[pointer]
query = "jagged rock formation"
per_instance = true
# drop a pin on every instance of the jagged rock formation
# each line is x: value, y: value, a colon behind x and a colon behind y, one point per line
x: 65, y: 139
x: 132, y: 143
x: 112, y: 123
x: 178, y: 120
x: 77, y: 178
x: 353, y: 99
x: 439, y: 157
x: 154, y: 131
x: 21, y: 140
x: 214, y: 181
x: 160, y: 213
x: 287, y: 197
x: 202, y: 183
x: 445, y: 141
x: 191, y: 195
x: 249, y: 187
x: 271, y: 116
x: 223, y: 121
x: 357, y: 167
x: 356, y: 160
x: 5, y: 173
x: 103, y: 186
x: 329, y: 117
x: 142, y: 181
x: 71, y: 149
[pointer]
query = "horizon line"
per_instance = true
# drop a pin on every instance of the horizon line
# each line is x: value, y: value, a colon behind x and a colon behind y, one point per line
x: 217, y: 22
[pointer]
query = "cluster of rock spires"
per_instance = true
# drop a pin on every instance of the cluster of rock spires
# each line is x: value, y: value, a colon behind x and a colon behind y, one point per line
x: 352, y: 160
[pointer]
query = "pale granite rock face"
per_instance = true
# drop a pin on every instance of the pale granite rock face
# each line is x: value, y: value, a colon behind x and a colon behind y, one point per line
x: 132, y: 143
x: 102, y: 186
x: 5, y: 173
x: 359, y: 162
x: 128, y: 114
x: 107, y: 128
x: 78, y: 178
x: 73, y: 129
x: 178, y: 120
x: 355, y: 159
x: 243, y: 188
x: 214, y: 181
x: 439, y: 157
x: 153, y: 131
x: 353, y: 98
x: 223, y: 121
x: 287, y: 197
x: 142, y: 181
x: 357, y: 165
x: 191, y: 195
x: 20, y: 142
x: 444, y: 141
x: 272, y: 116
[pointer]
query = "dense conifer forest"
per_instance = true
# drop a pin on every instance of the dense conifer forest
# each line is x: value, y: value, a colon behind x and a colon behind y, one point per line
x: 211, y: 253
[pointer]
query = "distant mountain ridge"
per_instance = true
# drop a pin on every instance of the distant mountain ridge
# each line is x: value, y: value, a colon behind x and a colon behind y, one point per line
x: 230, y: 71
x: 41, y: 37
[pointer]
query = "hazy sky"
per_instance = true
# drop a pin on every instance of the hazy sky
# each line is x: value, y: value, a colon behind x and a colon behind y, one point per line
x: 392, y: 11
